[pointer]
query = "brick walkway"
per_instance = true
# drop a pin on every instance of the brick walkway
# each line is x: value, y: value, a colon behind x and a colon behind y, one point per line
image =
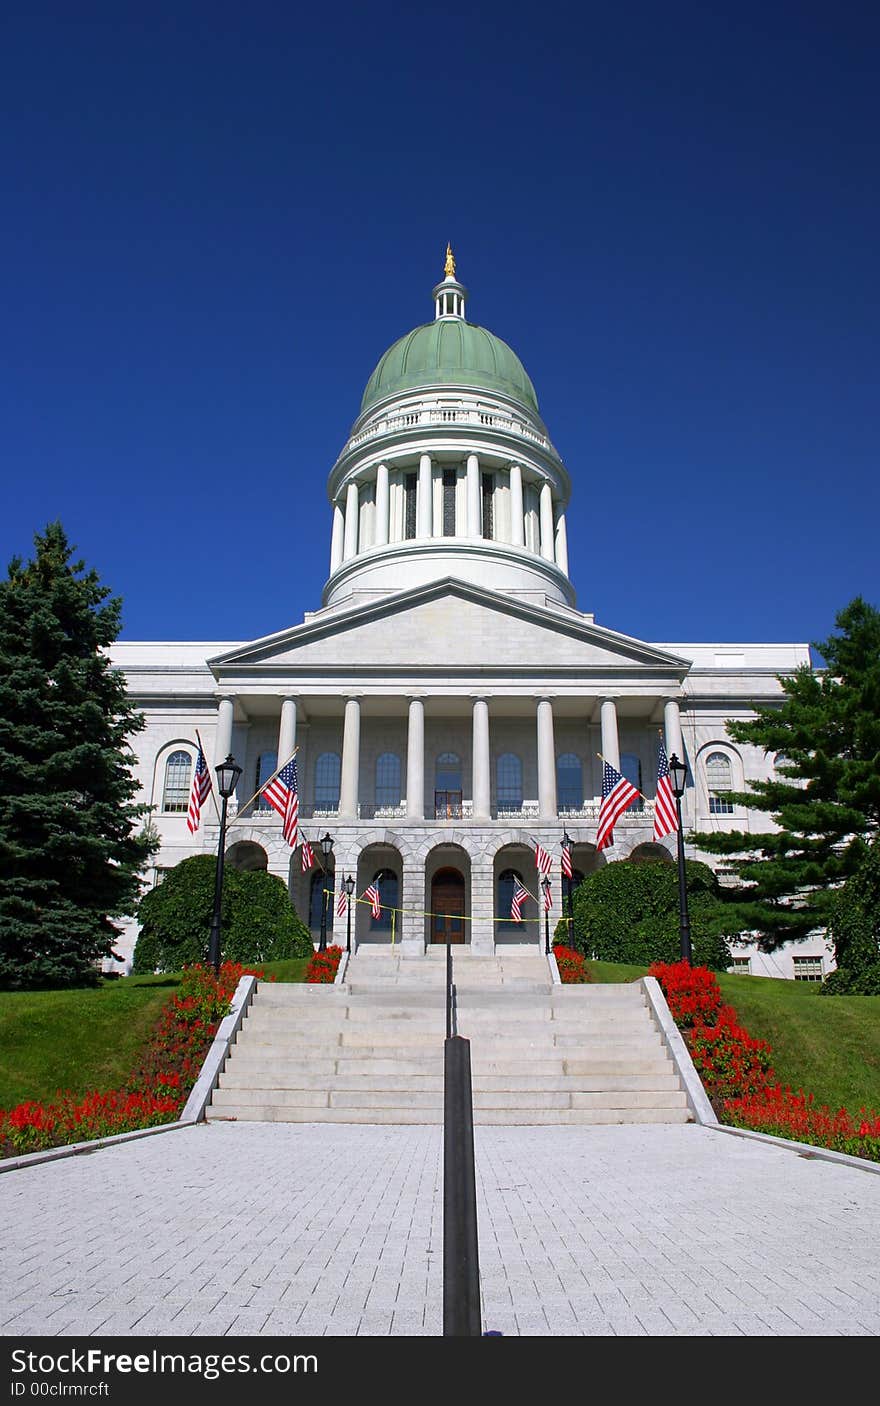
x: 279, y: 1229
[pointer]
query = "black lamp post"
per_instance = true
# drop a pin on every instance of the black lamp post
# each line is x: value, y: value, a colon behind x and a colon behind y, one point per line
x: 545, y: 885
x: 349, y: 889
x: 326, y: 843
x: 227, y: 773
x: 678, y: 777
x: 566, y: 845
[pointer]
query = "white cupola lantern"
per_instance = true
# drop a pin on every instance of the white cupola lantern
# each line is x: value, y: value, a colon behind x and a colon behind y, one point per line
x: 449, y: 296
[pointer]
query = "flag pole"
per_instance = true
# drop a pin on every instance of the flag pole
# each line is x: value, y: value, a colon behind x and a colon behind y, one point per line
x: 205, y: 755
x: 262, y: 786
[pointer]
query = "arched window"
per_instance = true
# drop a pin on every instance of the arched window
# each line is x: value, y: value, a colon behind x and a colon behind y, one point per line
x: 387, y: 884
x: 569, y: 782
x: 266, y: 764
x: 507, y: 881
x: 178, y: 772
x: 509, y: 774
x: 448, y: 772
x: 388, y: 779
x: 631, y: 768
x: 719, y: 782
x: 328, y: 769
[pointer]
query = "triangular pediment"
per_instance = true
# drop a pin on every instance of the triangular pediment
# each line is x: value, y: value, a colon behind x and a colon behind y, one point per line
x: 449, y: 624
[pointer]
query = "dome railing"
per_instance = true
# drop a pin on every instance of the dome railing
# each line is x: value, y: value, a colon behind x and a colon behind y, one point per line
x: 430, y: 414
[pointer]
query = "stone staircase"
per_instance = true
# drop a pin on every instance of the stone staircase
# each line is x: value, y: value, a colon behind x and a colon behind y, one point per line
x: 371, y: 1049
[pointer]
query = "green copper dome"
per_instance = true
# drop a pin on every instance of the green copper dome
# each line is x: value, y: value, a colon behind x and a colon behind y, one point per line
x: 450, y: 352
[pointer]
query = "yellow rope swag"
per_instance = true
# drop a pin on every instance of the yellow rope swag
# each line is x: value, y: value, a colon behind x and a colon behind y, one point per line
x: 425, y: 913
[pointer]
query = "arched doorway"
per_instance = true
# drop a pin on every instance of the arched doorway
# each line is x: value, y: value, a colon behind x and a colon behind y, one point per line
x: 448, y: 906
x: 247, y: 856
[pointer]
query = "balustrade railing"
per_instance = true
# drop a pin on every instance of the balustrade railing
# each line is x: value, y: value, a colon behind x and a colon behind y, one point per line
x: 436, y: 413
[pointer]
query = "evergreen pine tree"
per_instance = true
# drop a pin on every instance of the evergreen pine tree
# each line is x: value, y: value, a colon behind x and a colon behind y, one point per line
x: 825, y: 798
x: 71, y: 839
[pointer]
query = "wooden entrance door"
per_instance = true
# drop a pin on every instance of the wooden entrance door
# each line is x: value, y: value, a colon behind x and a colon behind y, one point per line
x: 447, y: 905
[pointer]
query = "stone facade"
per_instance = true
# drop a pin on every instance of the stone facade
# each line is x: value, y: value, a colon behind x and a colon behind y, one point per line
x: 448, y: 702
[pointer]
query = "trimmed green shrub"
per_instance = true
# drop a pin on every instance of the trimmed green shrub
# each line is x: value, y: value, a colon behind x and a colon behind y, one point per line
x: 629, y: 913
x: 257, y: 922
x: 855, y: 930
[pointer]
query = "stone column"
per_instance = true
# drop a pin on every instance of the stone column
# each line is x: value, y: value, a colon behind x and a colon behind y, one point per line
x: 672, y: 728
x: 415, y: 761
x: 517, y: 536
x: 561, y: 544
x: 352, y: 508
x: 474, y: 504
x: 223, y: 735
x: 481, y: 769
x: 610, y: 743
x: 547, y: 545
x: 546, y: 761
x: 424, y: 511
x: 337, y: 539
x: 351, y: 760
x: 287, y: 730
x: 383, y: 501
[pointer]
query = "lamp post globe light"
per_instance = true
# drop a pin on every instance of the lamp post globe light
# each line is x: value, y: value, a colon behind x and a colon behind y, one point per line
x: 227, y: 774
x: 326, y: 843
x: 545, y: 885
x: 678, y: 777
x: 349, y: 889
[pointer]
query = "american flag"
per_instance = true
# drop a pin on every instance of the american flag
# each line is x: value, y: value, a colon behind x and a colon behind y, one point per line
x: 548, y: 897
x: 617, y: 794
x: 566, y: 861
x: 372, y: 894
x: 341, y: 903
x: 665, y: 814
x: 307, y: 857
x: 520, y: 895
x: 201, y: 790
x: 543, y: 859
x: 281, y: 793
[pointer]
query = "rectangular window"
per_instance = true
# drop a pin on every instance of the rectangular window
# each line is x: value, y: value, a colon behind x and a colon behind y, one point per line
x: 489, y: 506
x: 449, y: 479
x: 807, y: 968
x: 720, y: 805
x: 409, y: 505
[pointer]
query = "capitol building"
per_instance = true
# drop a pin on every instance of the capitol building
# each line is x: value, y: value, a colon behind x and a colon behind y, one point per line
x: 449, y: 701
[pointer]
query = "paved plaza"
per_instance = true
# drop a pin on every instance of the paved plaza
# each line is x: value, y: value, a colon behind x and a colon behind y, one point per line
x: 307, y: 1230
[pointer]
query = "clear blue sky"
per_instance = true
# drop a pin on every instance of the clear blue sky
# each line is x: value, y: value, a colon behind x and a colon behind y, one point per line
x: 218, y: 216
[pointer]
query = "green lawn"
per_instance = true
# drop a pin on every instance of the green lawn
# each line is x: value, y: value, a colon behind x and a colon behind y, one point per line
x: 86, y: 1038
x: 828, y: 1046
x: 81, y: 1039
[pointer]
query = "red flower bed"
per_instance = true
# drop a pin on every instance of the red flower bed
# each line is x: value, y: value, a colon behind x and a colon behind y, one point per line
x: 156, y: 1090
x: 571, y: 964
x: 784, y: 1114
x: 323, y: 966
x: 737, y: 1073
x: 693, y: 994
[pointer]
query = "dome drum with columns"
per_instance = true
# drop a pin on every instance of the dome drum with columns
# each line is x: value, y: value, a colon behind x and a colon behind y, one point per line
x: 449, y: 701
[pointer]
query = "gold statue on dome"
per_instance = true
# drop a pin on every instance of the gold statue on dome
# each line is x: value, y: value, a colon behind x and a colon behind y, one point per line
x: 449, y: 268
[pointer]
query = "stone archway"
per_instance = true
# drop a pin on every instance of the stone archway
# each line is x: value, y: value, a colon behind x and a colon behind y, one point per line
x: 515, y: 863
x: 448, y: 885
x: 650, y: 853
x: 381, y: 865
x: 447, y: 906
x: 247, y: 856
